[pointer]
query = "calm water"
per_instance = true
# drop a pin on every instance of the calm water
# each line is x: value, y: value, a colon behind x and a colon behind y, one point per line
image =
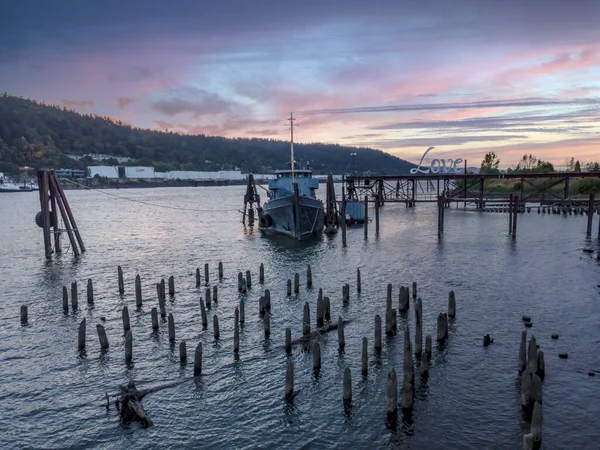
x: 53, y: 398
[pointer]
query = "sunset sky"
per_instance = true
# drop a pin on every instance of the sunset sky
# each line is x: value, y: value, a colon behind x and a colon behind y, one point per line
x: 467, y: 76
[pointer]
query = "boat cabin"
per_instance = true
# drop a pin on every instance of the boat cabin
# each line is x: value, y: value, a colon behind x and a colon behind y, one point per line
x: 282, y: 185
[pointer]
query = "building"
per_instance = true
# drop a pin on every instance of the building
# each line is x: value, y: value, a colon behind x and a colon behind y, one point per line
x: 70, y: 173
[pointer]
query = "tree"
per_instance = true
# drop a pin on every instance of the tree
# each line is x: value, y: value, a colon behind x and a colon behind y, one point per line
x: 527, y: 163
x: 490, y: 163
x: 592, y: 167
x: 577, y: 167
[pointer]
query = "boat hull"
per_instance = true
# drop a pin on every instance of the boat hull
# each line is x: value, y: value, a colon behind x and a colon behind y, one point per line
x: 279, y: 217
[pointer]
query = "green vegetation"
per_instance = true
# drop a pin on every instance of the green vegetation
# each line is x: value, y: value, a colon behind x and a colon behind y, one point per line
x: 490, y: 164
x: 37, y: 135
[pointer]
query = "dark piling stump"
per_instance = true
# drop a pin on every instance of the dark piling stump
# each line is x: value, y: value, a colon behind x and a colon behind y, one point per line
x: 451, y: 305
x: 203, y: 313
x: 236, y: 337
x: 365, y: 357
x: 138, y: 292
x: 154, y: 313
x: 358, y: 281
x: 128, y: 347
x: 125, y: 315
x: 171, y: 285
x: 532, y: 356
x: 541, y: 369
x: 242, y: 311
x: 248, y: 279
x: 419, y: 327
x: 320, y: 313
x: 414, y: 289
x: 267, y: 325
x: 24, y: 314
x: 182, y: 352
x: 536, y: 424
x: 90, y: 292
x: 394, y: 322
x: 220, y: 270
x: 377, y: 333
x: 442, y: 328
x: 289, y: 381
x: 240, y: 281
x: 407, y: 396
x: 288, y: 340
x: 121, y: 284
x: 308, y: 276
x: 522, y: 364
x: 404, y: 300
x: 341, y: 337
x: 65, y: 298
x: 428, y: 346
x: 392, y: 393
x: 389, y: 293
x: 198, y: 360
x: 102, y: 337
x: 347, y: 385
x: 171, y: 328
x: 424, y: 367
x: 306, y: 319
x: 261, y: 274
x: 216, y: 327
x: 206, y: 273
x: 388, y: 318
x: 74, y: 303
x: 268, y: 299
x: 327, y: 305
x: 198, y: 281
x: 81, y: 335
x: 215, y: 294
x: 208, y: 297
x: 289, y: 287
x: 316, y: 351
x: 536, y: 389
x: 162, y: 289
x: 296, y: 283
x: 526, y: 386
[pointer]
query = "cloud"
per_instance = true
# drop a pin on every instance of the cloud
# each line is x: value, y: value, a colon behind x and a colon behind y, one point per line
x: 439, y: 141
x: 164, y: 125
x: 124, y: 101
x: 80, y: 103
x: 202, y: 103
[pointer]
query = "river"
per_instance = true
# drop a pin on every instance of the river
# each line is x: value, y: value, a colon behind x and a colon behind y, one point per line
x: 53, y: 397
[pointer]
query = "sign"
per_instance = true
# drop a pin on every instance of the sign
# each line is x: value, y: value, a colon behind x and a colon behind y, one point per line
x: 441, y: 166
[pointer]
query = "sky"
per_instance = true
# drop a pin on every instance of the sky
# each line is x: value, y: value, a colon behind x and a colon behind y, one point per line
x: 467, y: 76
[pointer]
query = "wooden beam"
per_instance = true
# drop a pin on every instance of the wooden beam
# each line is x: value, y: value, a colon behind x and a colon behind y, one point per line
x: 68, y: 210
x: 63, y: 212
x: 43, y: 190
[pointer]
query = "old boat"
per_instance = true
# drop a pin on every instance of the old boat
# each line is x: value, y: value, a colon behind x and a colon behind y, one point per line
x: 292, y: 209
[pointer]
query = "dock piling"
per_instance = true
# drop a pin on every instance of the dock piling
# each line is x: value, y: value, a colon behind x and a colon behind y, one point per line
x: 74, y: 302
x: 121, y: 284
x: 203, y: 313
x: 65, y: 298
x: 377, y: 333
x: 182, y: 352
x: 198, y: 360
x: 220, y: 270
x: 248, y: 279
x: 288, y: 340
x: 216, y: 327
x: 347, y: 385
x: 306, y: 319
x: 128, y: 347
x: 81, y: 335
x: 289, y: 381
x: 206, y: 273
x: 341, y: 338
x: 138, y: 291
x: 154, y: 314
x: 451, y: 305
x: 365, y: 357
x: 316, y: 351
x: 24, y: 314
x: 392, y: 393
x: 358, y: 281
x: 171, y: 285
x: 296, y: 283
x: 171, y: 328
x: 261, y: 274
x: 102, y: 337
x: 125, y: 315
x: 308, y: 276
x: 90, y: 292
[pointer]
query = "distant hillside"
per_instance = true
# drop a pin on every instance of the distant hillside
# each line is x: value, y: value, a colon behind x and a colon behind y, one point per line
x: 37, y: 135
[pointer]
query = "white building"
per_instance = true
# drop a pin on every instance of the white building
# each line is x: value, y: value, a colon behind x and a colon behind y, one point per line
x: 139, y: 173
x: 111, y: 172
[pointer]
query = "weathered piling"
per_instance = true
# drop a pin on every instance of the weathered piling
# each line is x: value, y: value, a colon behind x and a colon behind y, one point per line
x: 138, y: 291
x: 365, y: 357
x: 289, y: 287
x: 296, y: 283
x: 442, y: 328
x: 242, y: 311
x: 288, y: 340
x: 358, y: 281
x: 388, y: 319
x: 347, y: 385
x: 590, y: 217
x: 525, y: 388
x: 74, y: 303
x: 366, y: 225
x: 536, y: 423
x: 121, y: 284
x: 377, y: 333
x: 308, y: 276
x: 528, y: 442
x: 377, y: 215
x: 327, y: 306
x: 428, y: 346
x: 261, y: 274
x: 289, y: 381
x: 407, y: 395
x: 206, y: 273
x: 306, y: 319
x: 389, y: 293
x: 125, y: 315
x: 316, y: 351
x: 182, y: 352
x: 541, y: 369
x: 162, y: 288
x: 392, y: 393
x: 154, y: 314
x: 198, y: 360
x: 343, y: 214
x: 268, y: 299
x: 81, y: 335
x: 24, y: 314
x: 267, y: 325
x: 244, y: 285
x: 341, y: 337
x: 128, y: 347
x: 65, y: 298
x: 216, y: 327
x: 208, y: 298
x: 198, y: 277
x: 215, y: 294
x: 532, y: 356
x: 408, y: 365
x: 248, y: 279
x: 220, y: 270
x: 424, y: 367
x: 240, y: 281
x: 236, y: 336
x: 102, y: 337
x: 171, y: 328
x: 404, y: 301
x: 419, y: 327
x: 523, y: 352
x: 451, y: 305
x: 90, y: 292
x: 536, y: 388
x: 346, y: 293
x: 414, y: 290
x: 320, y: 312
x: 171, y: 285
x: 161, y: 301
x: 203, y: 313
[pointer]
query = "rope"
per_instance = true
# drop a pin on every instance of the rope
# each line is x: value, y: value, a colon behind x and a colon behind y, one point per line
x: 148, y: 203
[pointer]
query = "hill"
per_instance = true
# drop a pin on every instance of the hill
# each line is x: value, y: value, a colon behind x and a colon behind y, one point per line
x: 39, y: 135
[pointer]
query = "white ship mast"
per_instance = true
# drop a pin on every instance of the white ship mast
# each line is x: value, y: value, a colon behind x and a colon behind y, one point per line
x: 291, y: 119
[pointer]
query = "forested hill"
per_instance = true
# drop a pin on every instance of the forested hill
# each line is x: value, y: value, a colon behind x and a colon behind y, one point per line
x: 37, y: 135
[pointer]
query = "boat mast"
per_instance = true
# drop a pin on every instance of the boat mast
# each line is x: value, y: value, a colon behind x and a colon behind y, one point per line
x: 291, y: 119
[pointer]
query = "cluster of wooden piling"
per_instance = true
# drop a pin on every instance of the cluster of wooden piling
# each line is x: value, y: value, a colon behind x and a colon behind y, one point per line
x: 531, y: 369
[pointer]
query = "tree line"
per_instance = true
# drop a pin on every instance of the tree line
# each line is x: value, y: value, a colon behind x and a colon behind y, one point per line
x: 531, y: 164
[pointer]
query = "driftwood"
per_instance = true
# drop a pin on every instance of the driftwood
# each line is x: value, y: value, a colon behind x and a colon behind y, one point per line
x: 318, y: 332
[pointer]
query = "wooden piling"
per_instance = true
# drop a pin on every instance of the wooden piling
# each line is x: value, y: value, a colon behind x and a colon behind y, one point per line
x: 154, y: 314
x: 90, y: 292
x: 203, y: 313
x: 358, y: 281
x: 248, y: 279
x: 515, y: 214
x: 289, y: 287
x: 244, y: 285
x: 289, y: 381
x: 377, y: 215
x: 261, y: 274
x: 182, y: 352
x: 171, y: 285
x: 590, y: 217
x: 296, y: 283
x: 442, y: 328
x: 343, y: 220
x: 216, y: 326
x: 346, y: 293
x: 81, y: 335
x: 125, y: 315
x: 74, y: 303
x: 327, y: 306
x: 208, y: 298
x: 220, y: 270
x: 215, y: 294
x: 392, y: 393
x: 102, y: 337
x: 366, y: 226
x: 308, y: 276
x: 407, y: 395
x: 532, y: 357
x: 414, y: 290
x: 428, y: 345
x: 377, y: 333
x: 316, y: 351
x: 171, y: 328
x: 138, y: 291
x: 424, y: 367
x: 341, y: 338
x: 236, y: 337
x: 404, y: 302
x: 306, y: 319
x: 523, y: 352
x: 451, y: 305
x: 419, y: 327
x: 206, y: 273
x: 267, y: 325
x: 388, y: 320
x: 198, y: 360
x: 536, y: 388
x: 121, y: 284
x: 128, y: 347
x: 365, y: 357
x: 240, y: 281
x: 162, y: 289
x: 389, y: 295
x: 408, y: 365
x: 24, y: 314
x: 525, y: 388
x: 536, y: 423
x: 198, y: 277
x: 242, y: 311
x: 65, y: 297
x: 288, y: 340
x: 347, y: 385
x: 541, y: 369
x: 320, y: 313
